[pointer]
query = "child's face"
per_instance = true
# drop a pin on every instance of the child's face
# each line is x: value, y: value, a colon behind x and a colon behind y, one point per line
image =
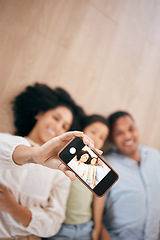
x: 98, y: 132
x: 84, y: 157
x: 51, y: 123
x: 93, y: 161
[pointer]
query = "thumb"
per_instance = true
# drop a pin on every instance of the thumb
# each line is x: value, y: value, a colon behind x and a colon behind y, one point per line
x: 67, y: 171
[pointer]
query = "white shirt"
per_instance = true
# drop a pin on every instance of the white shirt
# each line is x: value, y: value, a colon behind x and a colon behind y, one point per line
x: 101, y: 172
x: 80, y: 168
x: 42, y: 190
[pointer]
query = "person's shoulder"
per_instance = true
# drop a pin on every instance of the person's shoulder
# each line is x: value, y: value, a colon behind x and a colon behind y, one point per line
x: 7, y: 137
x: 149, y: 150
x: 113, y: 158
x: 113, y: 154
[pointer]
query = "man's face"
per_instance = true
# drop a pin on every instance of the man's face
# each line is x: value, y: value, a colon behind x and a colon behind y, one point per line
x: 125, y: 135
x: 98, y: 132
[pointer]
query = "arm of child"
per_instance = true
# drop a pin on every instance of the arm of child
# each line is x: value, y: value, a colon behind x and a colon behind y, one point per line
x: 104, y: 234
x: 98, y: 208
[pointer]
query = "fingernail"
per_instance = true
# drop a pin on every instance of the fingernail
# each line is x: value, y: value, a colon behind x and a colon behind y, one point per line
x: 86, y: 140
x: 92, y: 145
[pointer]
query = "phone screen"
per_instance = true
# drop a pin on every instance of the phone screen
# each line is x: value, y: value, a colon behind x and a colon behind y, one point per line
x: 89, y: 167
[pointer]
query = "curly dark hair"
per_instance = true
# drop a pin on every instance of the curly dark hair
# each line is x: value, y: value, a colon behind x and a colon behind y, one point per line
x: 40, y: 98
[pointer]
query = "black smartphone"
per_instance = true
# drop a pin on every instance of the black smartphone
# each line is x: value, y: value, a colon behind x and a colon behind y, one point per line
x: 88, y: 166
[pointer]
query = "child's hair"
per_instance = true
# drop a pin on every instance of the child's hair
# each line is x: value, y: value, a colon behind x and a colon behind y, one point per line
x: 87, y: 120
x: 40, y: 98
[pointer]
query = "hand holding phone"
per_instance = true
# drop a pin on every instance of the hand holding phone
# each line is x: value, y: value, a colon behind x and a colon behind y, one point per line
x: 88, y: 166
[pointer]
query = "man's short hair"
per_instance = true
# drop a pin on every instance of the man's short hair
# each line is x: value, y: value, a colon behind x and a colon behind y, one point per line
x: 113, y: 117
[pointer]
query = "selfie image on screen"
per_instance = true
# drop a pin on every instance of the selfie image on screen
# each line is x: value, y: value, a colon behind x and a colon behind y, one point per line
x: 89, y: 166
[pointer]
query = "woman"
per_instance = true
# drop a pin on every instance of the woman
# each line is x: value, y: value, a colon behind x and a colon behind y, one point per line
x: 33, y: 197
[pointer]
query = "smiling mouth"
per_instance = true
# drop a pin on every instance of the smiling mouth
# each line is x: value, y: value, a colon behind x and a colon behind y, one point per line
x: 129, y: 143
x: 51, y: 132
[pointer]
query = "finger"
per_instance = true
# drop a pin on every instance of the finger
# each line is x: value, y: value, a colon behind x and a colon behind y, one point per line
x: 100, y: 152
x: 70, y: 174
x: 70, y: 135
x: 73, y: 134
x: 66, y: 171
x: 88, y: 141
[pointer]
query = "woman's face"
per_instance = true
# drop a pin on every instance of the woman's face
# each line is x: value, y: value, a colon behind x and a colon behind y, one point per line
x: 98, y: 132
x: 84, y: 157
x: 50, y: 124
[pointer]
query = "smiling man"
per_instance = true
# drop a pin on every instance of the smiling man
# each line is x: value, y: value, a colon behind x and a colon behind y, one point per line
x: 132, y: 206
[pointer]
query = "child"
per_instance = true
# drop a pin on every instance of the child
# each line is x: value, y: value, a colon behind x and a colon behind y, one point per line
x: 83, y: 222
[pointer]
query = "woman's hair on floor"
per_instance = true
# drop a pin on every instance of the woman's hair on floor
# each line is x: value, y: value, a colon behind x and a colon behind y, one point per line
x: 41, y: 98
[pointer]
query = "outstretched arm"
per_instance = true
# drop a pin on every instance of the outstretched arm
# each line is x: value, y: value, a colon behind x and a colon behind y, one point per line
x: 47, y: 153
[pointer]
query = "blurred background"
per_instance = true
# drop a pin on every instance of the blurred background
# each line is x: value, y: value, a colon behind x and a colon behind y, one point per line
x: 105, y: 53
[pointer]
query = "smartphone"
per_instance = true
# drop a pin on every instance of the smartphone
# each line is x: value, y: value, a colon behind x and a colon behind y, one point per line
x: 88, y: 166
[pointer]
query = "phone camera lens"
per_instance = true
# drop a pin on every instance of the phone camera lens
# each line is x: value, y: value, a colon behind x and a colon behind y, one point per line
x: 72, y: 150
